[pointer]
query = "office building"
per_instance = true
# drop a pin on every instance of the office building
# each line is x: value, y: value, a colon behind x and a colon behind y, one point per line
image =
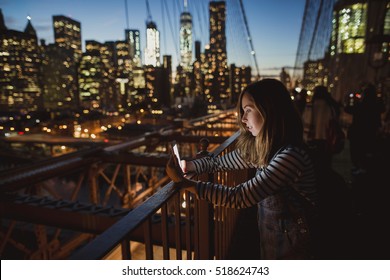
x: 67, y: 35
x: 359, y: 46
x: 217, y: 78
x: 90, y: 76
x: 20, y: 63
x: 59, y: 86
x: 240, y: 78
x: 134, y: 41
x: 63, y: 59
x: 186, y: 40
x: 152, y: 50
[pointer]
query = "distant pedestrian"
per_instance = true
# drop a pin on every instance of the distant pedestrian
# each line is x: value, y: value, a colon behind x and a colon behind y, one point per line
x: 319, y: 115
x: 364, y: 130
x: 300, y: 100
x: 285, y: 78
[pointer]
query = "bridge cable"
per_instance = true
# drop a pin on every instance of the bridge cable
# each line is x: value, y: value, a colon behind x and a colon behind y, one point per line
x: 172, y: 29
x: 250, y: 39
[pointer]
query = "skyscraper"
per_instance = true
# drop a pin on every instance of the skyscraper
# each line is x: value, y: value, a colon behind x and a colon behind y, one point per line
x: 152, y: 50
x: 20, y: 62
x: 186, y: 39
x: 62, y: 59
x: 90, y: 76
x: 67, y: 35
x: 240, y: 78
x: 109, y: 87
x: 217, y: 77
x: 123, y: 71
x: 134, y: 41
x: 59, y: 86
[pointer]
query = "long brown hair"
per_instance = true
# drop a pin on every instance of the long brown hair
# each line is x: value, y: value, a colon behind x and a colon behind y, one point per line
x: 282, y: 123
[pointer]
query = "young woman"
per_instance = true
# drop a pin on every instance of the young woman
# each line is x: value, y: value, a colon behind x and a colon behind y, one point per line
x: 283, y: 188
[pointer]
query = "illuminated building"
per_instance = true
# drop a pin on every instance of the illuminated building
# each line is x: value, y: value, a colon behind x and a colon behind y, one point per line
x: 90, y: 77
x: 108, y: 77
x: 157, y: 84
x: 166, y: 81
x: 60, y: 69
x: 137, y: 86
x: 92, y: 46
x: 186, y: 39
x: 184, y: 76
x: 57, y: 92
x: 102, y: 59
x: 137, y: 78
x: 123, y: 64
x: 109, y: 87
x: 359, y: 45
x: 240, y: 78
x: 314, y: 73
x: 152, y: 50
x: 134, y: 41
x: 198, y: 72
x: 67, y: 35
x: 217, y: 77
x: 349, y: 29
x: 20, y: 63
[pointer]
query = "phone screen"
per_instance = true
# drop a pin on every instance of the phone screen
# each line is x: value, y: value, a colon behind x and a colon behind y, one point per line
x: 176, y: 152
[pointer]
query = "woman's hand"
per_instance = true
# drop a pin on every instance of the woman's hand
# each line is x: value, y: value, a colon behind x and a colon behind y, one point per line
x: 175, y: 172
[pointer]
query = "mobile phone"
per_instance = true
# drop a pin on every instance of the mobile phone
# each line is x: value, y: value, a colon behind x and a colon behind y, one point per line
x: 176, y: 153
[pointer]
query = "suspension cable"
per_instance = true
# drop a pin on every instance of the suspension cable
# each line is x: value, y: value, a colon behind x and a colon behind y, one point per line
x: 171, y: 27
x: 253, y: 53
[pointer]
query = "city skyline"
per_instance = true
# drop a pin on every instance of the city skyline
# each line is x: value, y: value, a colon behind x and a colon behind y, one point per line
x: 267, y: 27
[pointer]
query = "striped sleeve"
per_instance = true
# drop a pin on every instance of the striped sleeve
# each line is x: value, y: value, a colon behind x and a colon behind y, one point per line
x: 290, y: 167
x: 230, y: 161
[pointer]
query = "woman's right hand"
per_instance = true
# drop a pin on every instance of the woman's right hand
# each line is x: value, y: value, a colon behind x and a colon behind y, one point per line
x: 175, y: 172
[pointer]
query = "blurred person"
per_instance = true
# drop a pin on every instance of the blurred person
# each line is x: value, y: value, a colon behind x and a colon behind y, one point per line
x: 319, y: 115
x: 365, y: 127
x: 300, y: 100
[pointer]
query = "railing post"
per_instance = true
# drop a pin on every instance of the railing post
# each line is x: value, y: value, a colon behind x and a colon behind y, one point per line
x: 205, y: 214
x: 126, y: 249
x: 93, y: 184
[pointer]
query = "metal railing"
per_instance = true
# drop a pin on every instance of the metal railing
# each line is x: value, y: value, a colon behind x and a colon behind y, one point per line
x: 171, y: 222
x: 88, y: 191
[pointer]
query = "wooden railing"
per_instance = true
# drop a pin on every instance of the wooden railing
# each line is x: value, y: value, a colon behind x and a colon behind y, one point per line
x: 172, y: 224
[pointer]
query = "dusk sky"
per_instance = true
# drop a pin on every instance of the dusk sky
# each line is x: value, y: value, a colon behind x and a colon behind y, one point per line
x: 274, y: 24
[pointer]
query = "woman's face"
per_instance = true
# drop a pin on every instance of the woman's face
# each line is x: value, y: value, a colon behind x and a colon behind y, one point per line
x: 251, y: 116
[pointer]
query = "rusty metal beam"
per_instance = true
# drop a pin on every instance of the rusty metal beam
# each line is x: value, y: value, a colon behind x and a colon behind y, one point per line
x: 217, y: 129
x: 35, y: 174
x: 191, y: 138
x: 75, y: 216
x: 139, y: 159
x: 18, y: 178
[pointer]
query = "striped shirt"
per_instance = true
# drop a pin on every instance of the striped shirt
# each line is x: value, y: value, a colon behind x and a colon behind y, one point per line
x: 290, y: 167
